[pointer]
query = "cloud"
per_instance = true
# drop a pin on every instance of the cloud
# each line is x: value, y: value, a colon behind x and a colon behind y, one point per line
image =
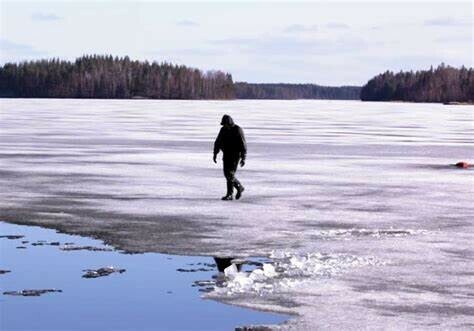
x: 13, y: 52
x: 405, y: 62
x: 187, y: 52
x: 7, y: 45
x: 298, y: 28
x: 187, y: 23
x: 293, y: 46
x: 45, y: 17
x: 335, y: 25
x: 458, y: 38
x: 447, y: 22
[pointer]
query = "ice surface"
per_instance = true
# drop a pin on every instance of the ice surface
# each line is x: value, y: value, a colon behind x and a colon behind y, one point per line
x: 363, y: 196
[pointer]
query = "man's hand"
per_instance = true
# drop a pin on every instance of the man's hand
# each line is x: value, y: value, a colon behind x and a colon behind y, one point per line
x: 214, y: 158
x: 242, y: 162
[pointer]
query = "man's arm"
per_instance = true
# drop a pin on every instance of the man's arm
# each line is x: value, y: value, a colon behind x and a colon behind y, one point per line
x: 243, y: 147
x: 217, y: 145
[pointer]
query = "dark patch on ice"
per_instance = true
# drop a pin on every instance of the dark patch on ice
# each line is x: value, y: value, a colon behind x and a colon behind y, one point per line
x: 66, y: 176
x: 193, y: 270
x: 394, y: 286
x: 452, y: 221
x: 464, y: 273
x: 388, y: 314
x: 210, y: 265
x: 331, y: 225
x: 86, y: 197
x: 85, y: 248
x: 439, y: 166
x: 101, y: 272
x: 36, y: 155
x: 12, y: 237
x: 463, y: 254
x: 103, y: 162
x: 372, y: 209
x: 2, y: 272
x: 8, y: 173
x: 206, y: 289
x: 434, y: 308
x: 21, y: 247
x: 45, y: 243
x: 363, y: 193
x: 97, y: 196
x: 253, y: 328
x: 203, y: 283
x: 430, y: 288
x: 31, y: 293
x: 127, y: 232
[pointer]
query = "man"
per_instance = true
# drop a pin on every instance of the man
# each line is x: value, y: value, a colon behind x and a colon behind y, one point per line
x: 231, y: 142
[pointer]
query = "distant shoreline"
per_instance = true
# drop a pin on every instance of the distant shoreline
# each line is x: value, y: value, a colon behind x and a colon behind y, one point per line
x: 108, y: 77
x: 246, y: 99
x: 149, y: 99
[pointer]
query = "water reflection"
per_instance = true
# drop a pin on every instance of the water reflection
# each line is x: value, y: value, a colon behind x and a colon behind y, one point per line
x: 151, y: 281
x: 224, y: 262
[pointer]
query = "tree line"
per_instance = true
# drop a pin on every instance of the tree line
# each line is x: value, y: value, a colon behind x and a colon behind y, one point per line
x: 98, y: 76
x: 295, y: 91
x: 108, y: 77
x: 443, y: 84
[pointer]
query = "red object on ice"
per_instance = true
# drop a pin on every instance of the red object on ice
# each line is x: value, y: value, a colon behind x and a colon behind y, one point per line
x: 462, y: 164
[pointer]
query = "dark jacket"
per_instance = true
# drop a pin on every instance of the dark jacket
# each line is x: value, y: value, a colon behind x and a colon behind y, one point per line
x: 231, y: 141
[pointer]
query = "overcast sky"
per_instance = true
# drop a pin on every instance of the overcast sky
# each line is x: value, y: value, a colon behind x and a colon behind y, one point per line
x: 328, y: 43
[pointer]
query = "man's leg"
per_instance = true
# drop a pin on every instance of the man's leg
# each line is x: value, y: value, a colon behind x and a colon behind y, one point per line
x: 229, y: 173
x: 231, y: 165
x: 239, y: 187
x: 235, y: 182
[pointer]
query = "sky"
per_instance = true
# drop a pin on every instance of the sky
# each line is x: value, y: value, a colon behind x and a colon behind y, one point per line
x: 321, y: 42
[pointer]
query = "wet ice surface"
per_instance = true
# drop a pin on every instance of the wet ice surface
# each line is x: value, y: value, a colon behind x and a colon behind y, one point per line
x: 149, y: 295
x: 368, y: 222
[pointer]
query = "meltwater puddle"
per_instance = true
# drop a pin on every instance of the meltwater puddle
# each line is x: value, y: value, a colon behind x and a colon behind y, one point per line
x: 56, y: 281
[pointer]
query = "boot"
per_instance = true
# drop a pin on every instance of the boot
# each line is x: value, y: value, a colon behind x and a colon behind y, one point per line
x: 240, y: 189
x: 230, y: 191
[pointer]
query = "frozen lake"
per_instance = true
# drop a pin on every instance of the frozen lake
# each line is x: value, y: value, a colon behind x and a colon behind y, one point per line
x: 358, y: 205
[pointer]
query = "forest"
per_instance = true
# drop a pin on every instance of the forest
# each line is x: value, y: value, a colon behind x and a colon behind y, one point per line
x: 107, y: 77
x: 443, y: 84
x: 295, y: 91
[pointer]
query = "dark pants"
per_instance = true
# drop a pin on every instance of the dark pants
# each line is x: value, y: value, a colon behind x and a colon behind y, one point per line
x: 230, y: 167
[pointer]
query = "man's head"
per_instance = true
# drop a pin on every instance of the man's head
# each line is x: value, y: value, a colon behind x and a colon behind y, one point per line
x: 227, y: 121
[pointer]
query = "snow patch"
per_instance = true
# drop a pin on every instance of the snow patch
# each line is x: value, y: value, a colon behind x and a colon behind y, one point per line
x: 288, y: 270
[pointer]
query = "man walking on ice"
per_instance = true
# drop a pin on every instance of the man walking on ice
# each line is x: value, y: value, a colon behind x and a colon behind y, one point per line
x: 231, y: 142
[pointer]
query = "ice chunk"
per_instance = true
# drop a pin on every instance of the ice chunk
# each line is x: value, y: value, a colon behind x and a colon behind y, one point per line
x: 231, y: 271
x: 242, y: 281
x: 269, y: 270
x: 257, y: 275
x: 297, y: 262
